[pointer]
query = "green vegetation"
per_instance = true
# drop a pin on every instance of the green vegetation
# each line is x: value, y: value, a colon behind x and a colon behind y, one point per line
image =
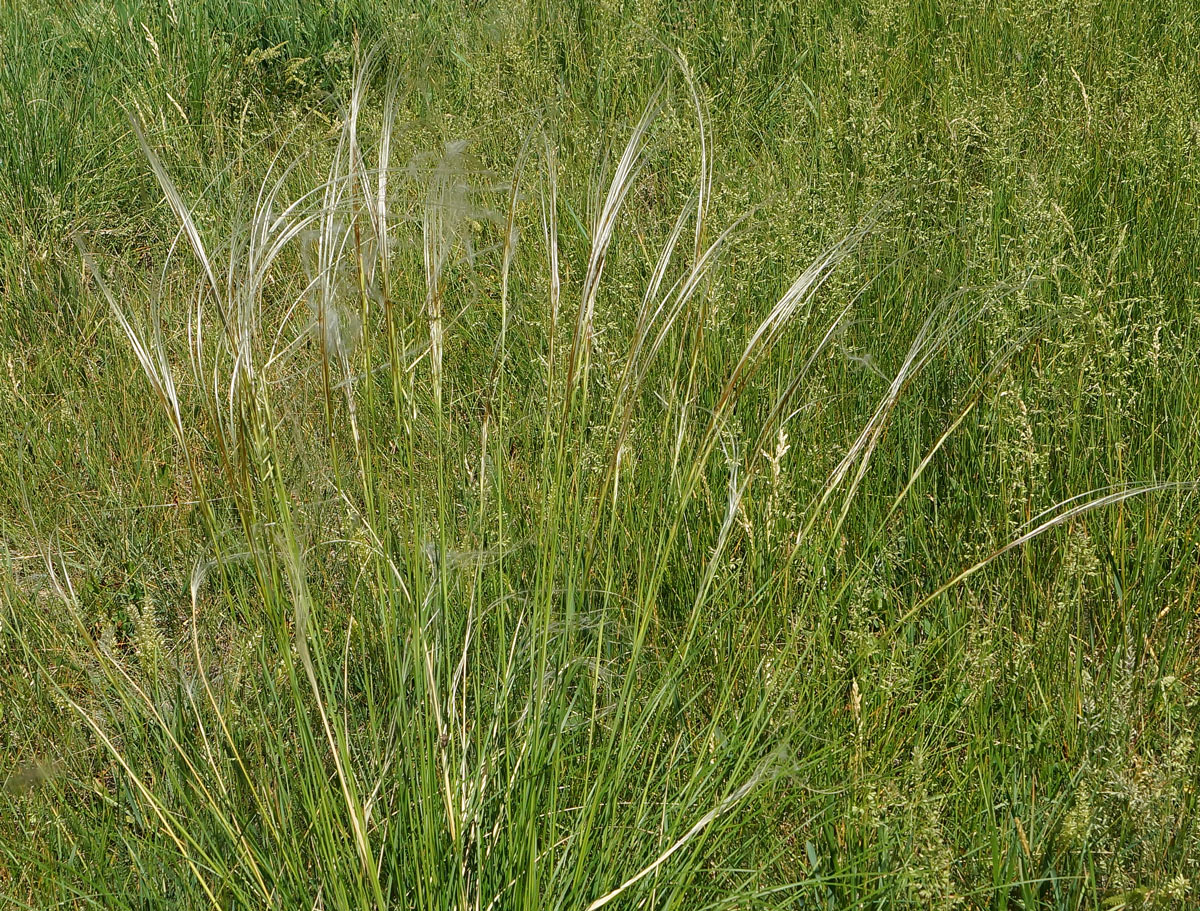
x: 599, y: 454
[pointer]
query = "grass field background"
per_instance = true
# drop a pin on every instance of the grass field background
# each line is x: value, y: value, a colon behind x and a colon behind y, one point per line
x: 567, y: 455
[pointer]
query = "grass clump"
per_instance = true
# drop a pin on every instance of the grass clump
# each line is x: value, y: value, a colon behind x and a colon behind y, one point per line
x: 499, y: 703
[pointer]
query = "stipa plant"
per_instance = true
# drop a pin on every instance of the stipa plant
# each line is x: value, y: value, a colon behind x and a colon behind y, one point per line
x: 511, y: 671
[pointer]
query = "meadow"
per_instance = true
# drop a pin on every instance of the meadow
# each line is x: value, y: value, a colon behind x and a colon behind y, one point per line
x: 497, y: 455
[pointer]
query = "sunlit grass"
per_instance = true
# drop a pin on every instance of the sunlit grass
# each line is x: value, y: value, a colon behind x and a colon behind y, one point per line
x: 719, y: 487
